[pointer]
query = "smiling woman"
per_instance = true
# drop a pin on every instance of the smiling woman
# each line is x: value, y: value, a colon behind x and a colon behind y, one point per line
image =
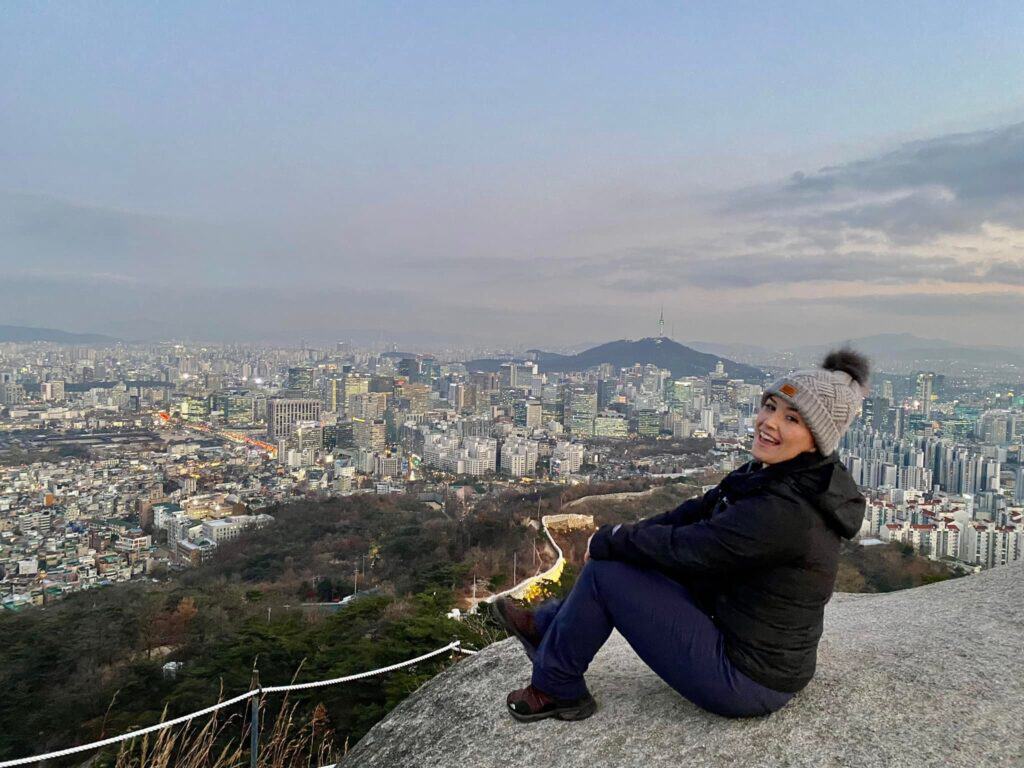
x: 780, y: 432
x: 723, y: 596
x: 810, y: 410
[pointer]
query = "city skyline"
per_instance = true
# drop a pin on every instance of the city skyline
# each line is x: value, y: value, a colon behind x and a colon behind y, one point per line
x: 517, y: 175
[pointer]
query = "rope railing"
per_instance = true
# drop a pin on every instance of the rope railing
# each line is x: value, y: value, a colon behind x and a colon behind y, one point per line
x: 454, y: 646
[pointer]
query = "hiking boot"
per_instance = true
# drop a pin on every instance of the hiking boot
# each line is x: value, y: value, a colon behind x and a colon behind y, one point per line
x: 529, y: 704
x: 517, y: 622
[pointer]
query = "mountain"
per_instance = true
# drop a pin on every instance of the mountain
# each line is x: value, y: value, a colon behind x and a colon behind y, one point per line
x: 22, y: 334
x: 662, y: 352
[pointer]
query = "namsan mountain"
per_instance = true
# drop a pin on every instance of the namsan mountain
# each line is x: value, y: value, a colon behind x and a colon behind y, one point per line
x: 660, y: 351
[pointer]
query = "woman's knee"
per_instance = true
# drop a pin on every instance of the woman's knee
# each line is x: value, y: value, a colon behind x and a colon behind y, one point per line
x: 604, y: 568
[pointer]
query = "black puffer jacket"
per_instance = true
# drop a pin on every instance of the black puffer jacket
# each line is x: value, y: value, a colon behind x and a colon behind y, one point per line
x: 760, y: 552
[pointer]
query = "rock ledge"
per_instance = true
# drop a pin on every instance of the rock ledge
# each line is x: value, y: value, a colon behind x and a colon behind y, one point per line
x: 924, y: 677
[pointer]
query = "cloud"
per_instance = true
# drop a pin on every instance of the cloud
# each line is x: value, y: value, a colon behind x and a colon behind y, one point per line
x: 940, y: 305
x: 650, y: 271
x: 919, y: 191
x: 945, y: 210
x: 942, y: 217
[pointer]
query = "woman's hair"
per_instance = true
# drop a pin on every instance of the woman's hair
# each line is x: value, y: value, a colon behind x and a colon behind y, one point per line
x: 850, y: 362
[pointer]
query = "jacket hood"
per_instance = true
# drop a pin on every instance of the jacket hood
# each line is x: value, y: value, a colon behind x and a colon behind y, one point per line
x: 822, y: 480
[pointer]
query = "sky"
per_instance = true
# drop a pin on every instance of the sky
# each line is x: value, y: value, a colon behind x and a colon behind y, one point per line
x: 523, y: 174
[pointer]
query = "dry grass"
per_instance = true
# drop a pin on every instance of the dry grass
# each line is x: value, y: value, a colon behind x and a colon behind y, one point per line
x: 285, y: 743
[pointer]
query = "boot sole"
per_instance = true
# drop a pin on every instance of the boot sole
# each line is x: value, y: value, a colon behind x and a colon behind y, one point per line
x: 499, y: 616
x: 581, y: 712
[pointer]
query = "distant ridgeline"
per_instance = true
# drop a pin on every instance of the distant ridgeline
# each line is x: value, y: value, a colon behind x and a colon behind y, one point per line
x: 662, y: 352
x: 24, y: 335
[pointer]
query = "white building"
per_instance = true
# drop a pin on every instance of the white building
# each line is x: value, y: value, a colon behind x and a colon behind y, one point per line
x: 566, y: 459
x: 519, y: 457
x: 460, y: 455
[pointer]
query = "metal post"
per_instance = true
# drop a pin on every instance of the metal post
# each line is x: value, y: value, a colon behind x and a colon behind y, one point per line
x: 254, y: 731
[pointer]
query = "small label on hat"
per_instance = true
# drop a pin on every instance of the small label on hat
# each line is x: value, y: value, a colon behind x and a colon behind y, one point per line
x: 788, y: 390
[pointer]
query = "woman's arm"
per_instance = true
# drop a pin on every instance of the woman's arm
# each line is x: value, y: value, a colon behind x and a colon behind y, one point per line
x: 751, y: 533
x: 690, y: 511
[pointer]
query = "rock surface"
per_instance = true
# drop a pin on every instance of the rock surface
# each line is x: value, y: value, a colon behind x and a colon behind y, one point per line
x: 924, y: 677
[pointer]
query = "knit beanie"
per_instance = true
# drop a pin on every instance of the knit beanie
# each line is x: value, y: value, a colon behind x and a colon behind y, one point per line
x: 829, y: 397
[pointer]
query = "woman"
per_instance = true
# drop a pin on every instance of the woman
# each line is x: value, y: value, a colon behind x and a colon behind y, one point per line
x: 722, y: 597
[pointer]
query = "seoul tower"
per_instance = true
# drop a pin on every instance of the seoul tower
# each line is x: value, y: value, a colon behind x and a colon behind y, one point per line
x: 661, y: 323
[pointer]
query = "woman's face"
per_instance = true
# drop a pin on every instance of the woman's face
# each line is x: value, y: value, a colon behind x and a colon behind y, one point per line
x: 780, y: 433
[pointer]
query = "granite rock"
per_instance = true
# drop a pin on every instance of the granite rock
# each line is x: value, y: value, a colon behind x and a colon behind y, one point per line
x: 924, y: 677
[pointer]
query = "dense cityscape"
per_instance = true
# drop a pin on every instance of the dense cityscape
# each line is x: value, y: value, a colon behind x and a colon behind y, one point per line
x: 127, y: 462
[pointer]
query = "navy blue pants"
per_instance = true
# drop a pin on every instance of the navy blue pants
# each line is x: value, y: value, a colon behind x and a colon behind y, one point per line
x: 660, y: 620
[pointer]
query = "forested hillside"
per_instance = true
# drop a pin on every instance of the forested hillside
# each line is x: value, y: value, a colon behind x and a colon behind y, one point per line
x: 92, y: 665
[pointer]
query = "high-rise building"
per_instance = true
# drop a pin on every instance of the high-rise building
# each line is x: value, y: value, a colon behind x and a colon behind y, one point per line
x: 52, y: 390
x: 925, y: 387
x: 648, y: 422
x: 300, y: 379
x: 352, y: 384
x: 387, y: 465
x: 606, y: 392
x: 368, y: 405
x: 681, y: 426
x: 333, y: 389
x: 409, y: 368
x: 896, y: 424
x: 681, y: 394
x: 997, y: 427
x: 609, y: 424
x: 413, y: 397
x: 236, y: 407
x: 582, y: 410
x: 284, y: 413
x: 707, y: 421
x: 514, y: 375
x: 12, y: 393
x: 566, y: 459
x: 527, y: 413
x: 875, y: 413
x: 519, y: 457
x: 370, y: 434
x: 456, y: 395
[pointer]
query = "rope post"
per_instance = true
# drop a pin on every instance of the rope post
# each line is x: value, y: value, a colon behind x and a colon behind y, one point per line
x: 254, y: 730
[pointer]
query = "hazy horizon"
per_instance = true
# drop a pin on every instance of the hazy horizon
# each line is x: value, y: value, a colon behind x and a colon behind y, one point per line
x: 513, y: 175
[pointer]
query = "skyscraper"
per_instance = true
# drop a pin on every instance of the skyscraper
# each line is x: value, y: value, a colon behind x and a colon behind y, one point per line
x: 582, y: 410
x: 369, y: 434
x: 300, y: 379
x: 925, y: 387
x: 283, y: 414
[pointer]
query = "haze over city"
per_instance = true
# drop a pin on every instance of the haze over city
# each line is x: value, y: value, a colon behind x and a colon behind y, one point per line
x: 521, y: 175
